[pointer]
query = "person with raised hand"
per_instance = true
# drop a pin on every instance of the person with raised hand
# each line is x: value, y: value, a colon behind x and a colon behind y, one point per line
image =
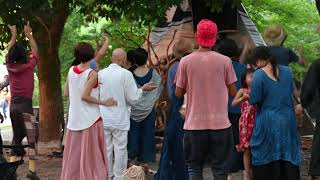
x: 85, y: 135
x: 20, y: 65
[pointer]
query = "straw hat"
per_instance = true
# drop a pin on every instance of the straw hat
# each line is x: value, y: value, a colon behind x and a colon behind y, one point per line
x: 206, y: 34
x: 274, y: 35
x: 182, y: 47
x: 135, y: 173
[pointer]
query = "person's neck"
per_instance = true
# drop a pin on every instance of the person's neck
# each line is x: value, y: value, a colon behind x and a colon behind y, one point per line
x: 142, y: 67
x: 268, y: 67
x: 204, y: 49
x: 117, y: 63
x: 84, y: 66
x: 141, y: 70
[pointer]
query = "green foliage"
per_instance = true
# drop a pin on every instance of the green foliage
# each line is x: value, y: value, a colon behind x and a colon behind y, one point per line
x: 44, y: 12
x: 300, y: 20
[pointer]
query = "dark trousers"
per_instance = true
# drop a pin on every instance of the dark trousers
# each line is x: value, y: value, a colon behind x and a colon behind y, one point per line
x: 213, y: 144
x: 277, y: 170
x: 19, y: 106
x: 314, y: 168
x: 236, y: 159
x: 141, y: 139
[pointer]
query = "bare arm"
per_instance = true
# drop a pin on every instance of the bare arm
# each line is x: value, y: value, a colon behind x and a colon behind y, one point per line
x: 66, y: 89
x: 86, y: 94
x: 13, y: 39
x: 238, y: 99
x: 180, y: 92
x: 103, y: 49
x: 32, y: 41
x: 232, y: 89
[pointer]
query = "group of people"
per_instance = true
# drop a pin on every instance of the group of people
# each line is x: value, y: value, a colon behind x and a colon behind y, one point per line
x: 235, y: 117
x: 111, y: 114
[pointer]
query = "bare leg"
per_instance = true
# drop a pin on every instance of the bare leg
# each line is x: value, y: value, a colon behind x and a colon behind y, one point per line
x: 247, y: 165
x: 230, y: 177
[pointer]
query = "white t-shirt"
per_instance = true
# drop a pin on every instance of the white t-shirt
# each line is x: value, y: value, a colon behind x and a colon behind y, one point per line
x: 117, y: 83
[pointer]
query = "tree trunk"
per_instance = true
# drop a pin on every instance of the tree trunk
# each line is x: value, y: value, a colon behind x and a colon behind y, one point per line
x: 51, y: 105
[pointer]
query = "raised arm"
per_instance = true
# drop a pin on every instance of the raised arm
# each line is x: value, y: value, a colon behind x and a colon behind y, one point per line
x: 28, y: 34
x: 86, y: 94
x: 102, y: 49
x: 13, y: 39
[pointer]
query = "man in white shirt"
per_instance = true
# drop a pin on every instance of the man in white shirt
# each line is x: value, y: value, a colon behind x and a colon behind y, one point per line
x: 118, y: 83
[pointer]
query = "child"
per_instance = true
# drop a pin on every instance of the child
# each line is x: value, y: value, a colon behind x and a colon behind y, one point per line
x: 246, y: 121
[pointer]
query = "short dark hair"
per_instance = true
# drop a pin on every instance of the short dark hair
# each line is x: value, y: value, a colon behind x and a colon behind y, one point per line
x: 228, y: 47
x: 140, y: 56
x: 17, y: 54
x: 83, y: 52
x: 130, y: 56
x: 244, y: 75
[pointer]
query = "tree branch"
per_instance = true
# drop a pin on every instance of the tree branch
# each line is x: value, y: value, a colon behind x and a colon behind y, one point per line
x: 174, y: 35
x: 47, y: 30
x: 129, y: 39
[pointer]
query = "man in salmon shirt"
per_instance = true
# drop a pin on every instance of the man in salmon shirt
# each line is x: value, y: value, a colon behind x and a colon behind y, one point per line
x: 20, y: 65
x: 207, y: 78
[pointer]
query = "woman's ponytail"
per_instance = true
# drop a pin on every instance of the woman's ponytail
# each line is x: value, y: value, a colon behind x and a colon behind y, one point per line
x: 274, y: 65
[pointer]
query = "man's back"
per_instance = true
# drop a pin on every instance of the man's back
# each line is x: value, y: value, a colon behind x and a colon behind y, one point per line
x: 118, y: 83
x: 205, y: 76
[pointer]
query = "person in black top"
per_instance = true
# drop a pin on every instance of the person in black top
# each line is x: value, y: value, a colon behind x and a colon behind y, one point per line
x: 310, y: 90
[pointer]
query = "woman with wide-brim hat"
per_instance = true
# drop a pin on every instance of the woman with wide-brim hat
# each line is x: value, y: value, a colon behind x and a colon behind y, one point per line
x: 274, y: 36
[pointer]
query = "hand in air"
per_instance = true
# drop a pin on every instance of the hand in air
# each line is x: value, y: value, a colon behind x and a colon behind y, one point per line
x: 149, y: 86
x: 27, y: 30
x: 105, y: 38
x: 110, y: 102
x: 13, y: 29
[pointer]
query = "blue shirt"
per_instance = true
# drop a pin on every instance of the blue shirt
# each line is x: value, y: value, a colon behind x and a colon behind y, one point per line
x: 145, y: 79
x: 93, y: 64
x: 239, y: 70
x: 275, y: 134
x: 284, y: 56
x: 171, y: 86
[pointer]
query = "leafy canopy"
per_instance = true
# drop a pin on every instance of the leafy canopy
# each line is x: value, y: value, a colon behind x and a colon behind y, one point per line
x: 47, y: 12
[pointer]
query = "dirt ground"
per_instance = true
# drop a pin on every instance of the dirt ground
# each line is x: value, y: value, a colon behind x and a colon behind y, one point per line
x: 49, y: 168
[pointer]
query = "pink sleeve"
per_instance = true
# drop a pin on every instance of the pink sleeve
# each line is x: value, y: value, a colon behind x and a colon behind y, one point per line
x: 181, y: 76
x: 230, y: 74
x: 33, y: 58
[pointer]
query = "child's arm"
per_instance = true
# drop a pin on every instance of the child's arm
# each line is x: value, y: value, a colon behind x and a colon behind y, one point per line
x: 103, y: 49
x: 13, y: 39
x: 240, y: 97
x: 28, y: 34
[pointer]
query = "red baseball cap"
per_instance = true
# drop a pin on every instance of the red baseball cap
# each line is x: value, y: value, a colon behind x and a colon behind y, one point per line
x: 206, y: 34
